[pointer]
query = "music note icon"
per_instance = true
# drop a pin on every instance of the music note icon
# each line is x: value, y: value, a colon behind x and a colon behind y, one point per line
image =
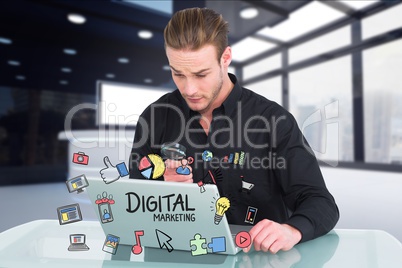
x: 137, y: 249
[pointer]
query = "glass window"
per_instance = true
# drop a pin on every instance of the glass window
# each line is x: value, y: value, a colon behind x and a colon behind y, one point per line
x: 320, y: 100
x: 382, y: 22
x: 333, y: 40
x: 262, y: 66
x: 232, y: 70
x: 304, y: 20
x: 249, y: 47
x: 382, y: 103
x: 269, y: 88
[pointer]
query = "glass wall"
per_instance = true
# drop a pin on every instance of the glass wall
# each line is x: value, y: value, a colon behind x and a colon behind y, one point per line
x: 328, y: 42
x: 382, y: 103
x: 269, y: 88
x: 340, y: 79
x: 262, y: 66
x: 321, y: 101
x: 382, y: 22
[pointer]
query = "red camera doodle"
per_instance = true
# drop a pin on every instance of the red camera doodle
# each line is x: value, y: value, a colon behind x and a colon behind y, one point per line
x: 80, y: 158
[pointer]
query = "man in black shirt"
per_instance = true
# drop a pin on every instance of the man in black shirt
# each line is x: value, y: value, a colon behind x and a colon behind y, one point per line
x: 250, y: 147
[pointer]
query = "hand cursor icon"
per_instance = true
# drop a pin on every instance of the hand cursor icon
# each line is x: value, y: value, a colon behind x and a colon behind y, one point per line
x: 112, y: 173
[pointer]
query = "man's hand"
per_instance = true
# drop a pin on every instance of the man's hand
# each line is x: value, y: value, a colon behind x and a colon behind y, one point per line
x: 271, y: 236
x: 171, y: 174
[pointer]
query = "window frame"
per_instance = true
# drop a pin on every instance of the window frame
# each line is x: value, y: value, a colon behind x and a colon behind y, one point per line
x: 355, y: 50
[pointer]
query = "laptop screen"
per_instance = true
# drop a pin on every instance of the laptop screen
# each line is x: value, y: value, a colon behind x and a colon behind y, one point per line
x: 77, y: 239
x: 173, y: 216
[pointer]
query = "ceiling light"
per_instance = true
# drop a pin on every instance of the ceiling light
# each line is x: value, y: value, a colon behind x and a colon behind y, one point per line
x: 148, y: 80
x: 359, y: 4
x: 63, y: 82
x: 14, y: 63
x: 5, y: 41
x: 123, y: 60
x: 303, y: 20
x: 145, y: 34
x: 166, y: 67
x: 70, y: 51
x: 66, y: 70
x: 249, y: 13
x: 111, y: 76
x: 20, y: 77
x: 76, y: 18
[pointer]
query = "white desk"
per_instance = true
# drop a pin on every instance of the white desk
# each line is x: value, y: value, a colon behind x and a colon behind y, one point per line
x: 44, y: 243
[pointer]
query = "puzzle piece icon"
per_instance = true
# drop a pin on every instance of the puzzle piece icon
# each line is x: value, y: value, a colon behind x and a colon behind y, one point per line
x: 197, y: 242
x: 218, y: 244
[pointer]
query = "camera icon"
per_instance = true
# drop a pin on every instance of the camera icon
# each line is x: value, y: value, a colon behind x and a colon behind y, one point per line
x: 80, y: 158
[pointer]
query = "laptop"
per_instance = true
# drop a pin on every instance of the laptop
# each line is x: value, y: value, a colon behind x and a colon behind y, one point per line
x: 77, y: 243
x: 166, y: 215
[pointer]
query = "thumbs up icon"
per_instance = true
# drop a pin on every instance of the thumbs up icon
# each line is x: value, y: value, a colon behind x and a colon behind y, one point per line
x: 112, y: 173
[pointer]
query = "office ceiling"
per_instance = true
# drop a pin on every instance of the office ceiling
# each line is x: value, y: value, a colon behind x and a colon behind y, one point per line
x: 34, y: 34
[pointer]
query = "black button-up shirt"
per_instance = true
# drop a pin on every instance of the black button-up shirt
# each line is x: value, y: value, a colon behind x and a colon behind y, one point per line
x: 261, y: 161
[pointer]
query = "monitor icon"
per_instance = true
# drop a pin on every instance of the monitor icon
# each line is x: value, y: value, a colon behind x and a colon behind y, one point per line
x: 77, y: 243
x: 77, y: 184
x: 68, y: 214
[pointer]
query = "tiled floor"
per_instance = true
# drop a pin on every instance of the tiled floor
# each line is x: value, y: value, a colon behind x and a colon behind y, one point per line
x: 24, y: 203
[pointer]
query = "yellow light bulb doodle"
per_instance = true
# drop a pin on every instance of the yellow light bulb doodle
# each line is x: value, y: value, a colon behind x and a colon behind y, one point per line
x: 222, y: 205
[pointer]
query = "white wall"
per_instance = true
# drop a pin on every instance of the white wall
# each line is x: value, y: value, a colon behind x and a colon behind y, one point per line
x: 367, y: 199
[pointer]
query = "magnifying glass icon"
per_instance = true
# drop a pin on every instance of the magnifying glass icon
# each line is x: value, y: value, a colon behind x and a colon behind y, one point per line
x: 173, y: 151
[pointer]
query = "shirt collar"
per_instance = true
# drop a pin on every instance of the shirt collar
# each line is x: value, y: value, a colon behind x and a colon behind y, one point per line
x: 229, y: 105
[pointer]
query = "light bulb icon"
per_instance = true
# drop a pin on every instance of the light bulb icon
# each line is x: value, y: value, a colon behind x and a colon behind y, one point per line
x: 221, y: 205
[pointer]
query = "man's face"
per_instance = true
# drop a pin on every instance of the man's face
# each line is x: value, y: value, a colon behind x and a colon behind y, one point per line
x: 198, y: 75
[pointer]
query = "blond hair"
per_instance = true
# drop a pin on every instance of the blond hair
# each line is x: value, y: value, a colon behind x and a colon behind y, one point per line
x: 193, y: 28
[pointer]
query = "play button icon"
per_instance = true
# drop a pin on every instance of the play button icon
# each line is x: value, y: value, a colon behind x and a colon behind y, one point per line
x: 243, y: 239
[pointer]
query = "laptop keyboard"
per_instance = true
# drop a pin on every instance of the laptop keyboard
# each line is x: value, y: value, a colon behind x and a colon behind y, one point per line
x: 78, y: 247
